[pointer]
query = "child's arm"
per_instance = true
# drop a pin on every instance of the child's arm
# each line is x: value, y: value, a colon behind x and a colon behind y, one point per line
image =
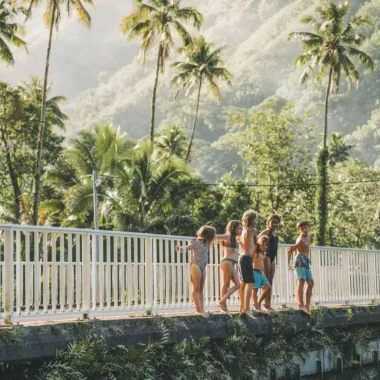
x: 264, y: 233
x: 185, y: 248
x: 223, y: 237
x: 292, y: 249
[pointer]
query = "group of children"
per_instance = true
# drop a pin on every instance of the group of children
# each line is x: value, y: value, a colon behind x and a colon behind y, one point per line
x: 249, y: 262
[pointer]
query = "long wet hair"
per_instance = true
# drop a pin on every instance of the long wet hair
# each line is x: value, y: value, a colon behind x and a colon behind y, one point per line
x: 232, y: 227
x: 273, y: 216
x: 249, y: 217
x: 206, y: 234
x: 261, y: 240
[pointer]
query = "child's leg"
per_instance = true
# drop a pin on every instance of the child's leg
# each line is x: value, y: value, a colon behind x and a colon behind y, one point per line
x: 247, y: 299
x: 264, y: 294
x: 203, y: 281
x: 309, y: 289
x: 226, y: 276
x: 268, y: 300
x: 241, y: 296
x: 196, y: 276
x: 254, y: 298
x: 300, y: 285
x: 235, y: 279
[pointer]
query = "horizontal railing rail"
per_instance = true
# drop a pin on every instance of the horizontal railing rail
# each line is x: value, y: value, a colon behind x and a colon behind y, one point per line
x: 51, y: 273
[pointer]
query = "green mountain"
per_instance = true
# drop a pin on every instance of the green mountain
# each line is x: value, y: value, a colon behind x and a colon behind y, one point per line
x: 261, y: 59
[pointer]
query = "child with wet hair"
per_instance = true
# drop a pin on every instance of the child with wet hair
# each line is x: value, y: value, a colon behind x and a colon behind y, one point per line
x: 199, y: 249
x: 228, y: 264
x: 261, y: 282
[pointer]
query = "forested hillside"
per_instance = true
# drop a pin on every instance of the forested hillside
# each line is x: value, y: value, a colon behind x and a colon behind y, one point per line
x: 260, y: 57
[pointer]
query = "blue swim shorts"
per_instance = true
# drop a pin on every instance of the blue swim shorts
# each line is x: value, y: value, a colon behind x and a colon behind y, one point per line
x: 260, y: 279
x: 303, y: 273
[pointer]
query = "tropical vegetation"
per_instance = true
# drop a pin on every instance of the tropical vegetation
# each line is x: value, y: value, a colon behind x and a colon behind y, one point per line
x: 329, y: 50
x: 52, y: 19
x: 105, y: 178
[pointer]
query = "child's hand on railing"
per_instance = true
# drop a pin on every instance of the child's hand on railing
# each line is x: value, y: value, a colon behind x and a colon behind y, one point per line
x: 177, y: 248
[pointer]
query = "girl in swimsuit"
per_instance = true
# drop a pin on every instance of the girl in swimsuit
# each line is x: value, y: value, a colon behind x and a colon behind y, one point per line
x: 273, y: 223
x: 199, y: 248
x: 229, y: 261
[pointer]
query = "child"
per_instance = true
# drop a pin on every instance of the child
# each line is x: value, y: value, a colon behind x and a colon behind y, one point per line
x: 229, y: 261
x: 247, y: 243
x: 261, y: 282
x: 270, y: 261
x: 199, y: 248
x: 302, y: 265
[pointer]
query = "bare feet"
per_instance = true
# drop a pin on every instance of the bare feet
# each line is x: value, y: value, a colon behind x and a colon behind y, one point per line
x: 223, y: 307
x: 258, y: 308
x: 248, y: 314
x: 268, y: 308
x: 304, y: 309
x: 202, y: 314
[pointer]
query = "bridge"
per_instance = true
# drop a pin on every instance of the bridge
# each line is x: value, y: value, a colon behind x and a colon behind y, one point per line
x: 49, y: 273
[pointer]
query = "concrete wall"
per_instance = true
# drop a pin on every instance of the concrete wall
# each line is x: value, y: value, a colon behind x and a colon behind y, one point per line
x: 41, y: 341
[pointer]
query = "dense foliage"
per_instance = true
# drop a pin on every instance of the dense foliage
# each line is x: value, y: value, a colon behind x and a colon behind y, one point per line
x: 242, y: 355
x: 266, y: 160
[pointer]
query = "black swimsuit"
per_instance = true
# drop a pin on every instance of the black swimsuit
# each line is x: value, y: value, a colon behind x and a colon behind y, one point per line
x: 272, y: 247
x: 232, y: 244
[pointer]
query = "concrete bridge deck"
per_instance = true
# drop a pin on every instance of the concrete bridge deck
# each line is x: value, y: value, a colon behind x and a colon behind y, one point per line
x: 41, y: 339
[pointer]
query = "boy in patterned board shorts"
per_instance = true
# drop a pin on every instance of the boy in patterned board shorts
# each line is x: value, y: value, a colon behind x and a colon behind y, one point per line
x: 302, y: 265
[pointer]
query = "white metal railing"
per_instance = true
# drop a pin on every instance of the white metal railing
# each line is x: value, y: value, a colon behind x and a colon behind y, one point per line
x: 51, y: 273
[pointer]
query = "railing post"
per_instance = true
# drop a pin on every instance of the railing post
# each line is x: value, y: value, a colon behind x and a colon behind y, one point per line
x: 8, y: 276
x: 372, y: 275
x: 86, y: 275
x: 148, y: 275
x: 346, y: 275
x: 317, y: 274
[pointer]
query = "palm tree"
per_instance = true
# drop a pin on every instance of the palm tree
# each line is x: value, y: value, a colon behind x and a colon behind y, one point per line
x: 338, y: 149
x: 148, y: 189
x: 171, y: 141
x: 156, y: 20
x: 201, y: 64
x: 94, y: 151
x: 9, y: 31
x: 52, y: 18
x: 329, y: 51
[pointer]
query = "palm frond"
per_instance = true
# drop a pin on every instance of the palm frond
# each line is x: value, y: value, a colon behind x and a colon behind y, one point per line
x: 183, y: 33
x: 304, y: 36
x: 82, y: 14
x: 189, y: 13
x: 364, y: 58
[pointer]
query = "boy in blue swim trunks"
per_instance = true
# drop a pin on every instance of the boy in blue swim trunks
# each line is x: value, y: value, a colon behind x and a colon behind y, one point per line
x: 261, y: 282
x: 302, y: 265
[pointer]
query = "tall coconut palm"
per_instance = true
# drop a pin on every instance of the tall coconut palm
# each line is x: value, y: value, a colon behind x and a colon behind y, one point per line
x: 328, y: 51
x: 171, y: 142
x: 155, y: 20
x: 52, y: 18
x: 9, y: 31
x: 202, y: 64
x: 338, y: 149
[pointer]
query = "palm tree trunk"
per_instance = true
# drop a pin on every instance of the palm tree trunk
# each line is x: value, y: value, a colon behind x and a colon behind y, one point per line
x: 194, y: 123
x: 154, y: 95
x: 41, y: 134
x: 322, y: 176
x: 327, y: 109
x: 14, y: 181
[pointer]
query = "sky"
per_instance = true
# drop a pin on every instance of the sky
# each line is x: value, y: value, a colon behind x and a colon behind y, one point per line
x: 73, y: 66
